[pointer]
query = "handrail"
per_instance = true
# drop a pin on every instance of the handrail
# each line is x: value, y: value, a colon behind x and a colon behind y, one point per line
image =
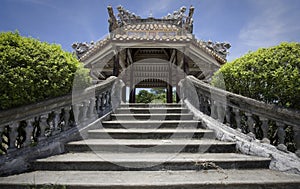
x: 28, y: 125
x: 234, y: 109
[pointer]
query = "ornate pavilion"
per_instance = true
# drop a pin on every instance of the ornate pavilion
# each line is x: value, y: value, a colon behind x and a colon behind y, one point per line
x: 151, y: 52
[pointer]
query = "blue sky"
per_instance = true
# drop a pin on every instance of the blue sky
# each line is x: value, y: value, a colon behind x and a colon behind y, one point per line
x: 246, y: 24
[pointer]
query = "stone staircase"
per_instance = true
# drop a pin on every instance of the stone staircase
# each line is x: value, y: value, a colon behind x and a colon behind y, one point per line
x: 152, y: 146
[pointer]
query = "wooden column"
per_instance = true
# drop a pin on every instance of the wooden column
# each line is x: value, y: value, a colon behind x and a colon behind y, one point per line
x: 177, y: 86
x: 169, y: 85
x: 132, y: 86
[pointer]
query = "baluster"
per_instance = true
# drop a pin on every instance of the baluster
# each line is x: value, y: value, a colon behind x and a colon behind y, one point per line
x: 67, y: 118
x: 43, y: 126
x: 228, y: 115
x: 92, y: 107
x: 206, y: 105
x: 213, y: 106
x: 237, y: 117
x: 85, y: 110
x: 1, y: 135
x: 55, y: 129
x: 29, y: 131
x: 297, y: 140
x: 76, y: 113
x: 13, y: 134
x: 109, y: 98
x: 265, y: 129
x: 98, y: 104
x: 220, y: 111
x: 281, y: 136
x: 102, y: 102
x: 250, y: 123
x: 201, y: 104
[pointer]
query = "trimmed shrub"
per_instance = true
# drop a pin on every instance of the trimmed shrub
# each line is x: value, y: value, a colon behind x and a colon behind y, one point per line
x: 269, y: 74
x: 31, y: 71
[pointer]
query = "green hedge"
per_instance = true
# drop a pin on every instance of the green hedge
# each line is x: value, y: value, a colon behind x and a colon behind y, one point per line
x: 269, y: 74
x: 32, y: 71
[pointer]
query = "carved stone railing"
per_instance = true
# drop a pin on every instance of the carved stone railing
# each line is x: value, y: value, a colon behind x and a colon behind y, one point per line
x: 249, y: 116
x: 46, y: 122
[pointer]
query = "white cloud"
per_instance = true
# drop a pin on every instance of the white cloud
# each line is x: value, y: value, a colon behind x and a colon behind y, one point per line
x: 271, y: 25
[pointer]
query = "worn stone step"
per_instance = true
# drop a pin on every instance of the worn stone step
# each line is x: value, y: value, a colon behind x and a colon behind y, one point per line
x: 153, y: 110
x: 150, y: 133
x: 151, y: 105
x: 152, y: 145
x: 217, y: 179
x: 143, y: 124
x: 174, y: 116
x: 149, y: 161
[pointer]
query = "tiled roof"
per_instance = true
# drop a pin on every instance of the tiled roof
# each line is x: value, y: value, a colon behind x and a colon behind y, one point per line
x: 144, y: 32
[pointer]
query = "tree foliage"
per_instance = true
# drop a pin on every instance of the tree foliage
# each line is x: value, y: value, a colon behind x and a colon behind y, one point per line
x: 269, y: 74
x: 32, y: 71
x: 154, y: 95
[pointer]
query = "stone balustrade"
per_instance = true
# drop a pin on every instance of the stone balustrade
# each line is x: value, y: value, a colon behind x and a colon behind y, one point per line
x: 266, y: 122
x: 27, y: 126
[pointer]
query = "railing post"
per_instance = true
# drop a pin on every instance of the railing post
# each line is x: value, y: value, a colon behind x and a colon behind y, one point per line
x: 98, y: 104
x: 220, y: 111
x: 76, y: 113
x: 227, y: 115
x: 43, y: 126
x: 265, y: 129
x: 92, y: 107
x: 85, y: 110
x: 237, y: 117
x: 13, y: 134
x: 297, y: 140
x: 102, y: 102
x: 67, y: 117
x: 29, y: 131
x: 213, y: 112
x: 281, y: 136
x: 1, y: 134
x: 250, y: 123
x: 56, y: 117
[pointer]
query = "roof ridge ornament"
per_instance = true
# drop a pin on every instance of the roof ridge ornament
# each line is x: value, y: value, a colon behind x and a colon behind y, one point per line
x: 125, y: 17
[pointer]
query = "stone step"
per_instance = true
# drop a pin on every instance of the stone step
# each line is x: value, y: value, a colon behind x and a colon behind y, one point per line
x: 152, y: 145
x: 144, y: 124
x: 174, y: 116
x: 217, y: 179
x: 152, y: 110
x: 149, y: 161
x: 150, y: 133
x: 151, y: 105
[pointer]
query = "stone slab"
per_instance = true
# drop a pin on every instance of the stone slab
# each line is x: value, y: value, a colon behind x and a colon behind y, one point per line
x: 225, y: 179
